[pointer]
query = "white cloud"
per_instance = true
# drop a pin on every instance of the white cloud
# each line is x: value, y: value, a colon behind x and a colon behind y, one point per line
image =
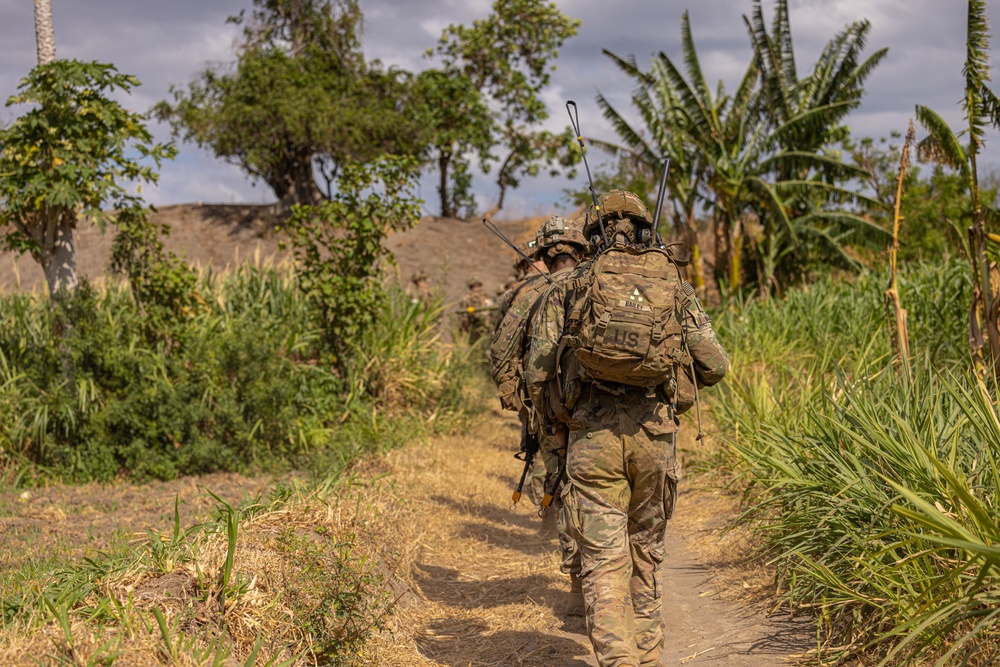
x: 168, y: 43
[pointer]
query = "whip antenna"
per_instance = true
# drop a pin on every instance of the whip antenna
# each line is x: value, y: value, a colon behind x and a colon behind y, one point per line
x: 660, y: 196
x: 574, y: 119
x: 496, y: 230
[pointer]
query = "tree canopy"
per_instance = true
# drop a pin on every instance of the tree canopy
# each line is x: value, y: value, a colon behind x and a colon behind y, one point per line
x: 300, y: 98
x: 761, y: 160
x: 498, y: 66
x: 75, y: 152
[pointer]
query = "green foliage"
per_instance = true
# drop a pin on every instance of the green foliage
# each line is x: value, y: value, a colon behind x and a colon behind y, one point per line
x: 163, y: 285
x: 873, y: 494
x: 759, y: 159
x: 236, y: 386
x: 300, y: 94
x: 76, y: 152
x: 338, y: 245
x: 505, y: 61
x: 460, y: 126
x: 980, y: 105
x: 339, y: 599
x: 935, y: 206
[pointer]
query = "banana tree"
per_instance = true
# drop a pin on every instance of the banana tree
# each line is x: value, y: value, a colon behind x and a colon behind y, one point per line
x: 980, y: 106
x: 658, y: 107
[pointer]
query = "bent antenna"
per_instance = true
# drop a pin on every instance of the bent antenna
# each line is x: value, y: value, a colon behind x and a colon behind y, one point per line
x: 574, y: 119
x: 490, y: 225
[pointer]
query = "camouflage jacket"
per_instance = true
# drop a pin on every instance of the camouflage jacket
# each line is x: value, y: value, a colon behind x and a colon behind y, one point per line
x: 510, y: 339
x: 552, y: 377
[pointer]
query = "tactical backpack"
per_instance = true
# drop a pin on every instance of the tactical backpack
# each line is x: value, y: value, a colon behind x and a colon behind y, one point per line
x: 624, y: 323
x: 510, y: 340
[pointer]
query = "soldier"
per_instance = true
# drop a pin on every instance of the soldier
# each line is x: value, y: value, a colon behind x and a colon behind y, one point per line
x: 561, y: 245
x: 523, y: 276
x: 420, y: 292
x: 621, y: 466
x: 474, y: 309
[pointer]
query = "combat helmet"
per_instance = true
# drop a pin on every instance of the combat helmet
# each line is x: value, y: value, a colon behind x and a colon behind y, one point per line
x: 559, y: 235
x: 616, y: 207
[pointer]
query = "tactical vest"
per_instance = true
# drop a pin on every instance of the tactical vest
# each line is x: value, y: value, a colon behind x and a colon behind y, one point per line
x: 624, y: 325
x: 510, y: 342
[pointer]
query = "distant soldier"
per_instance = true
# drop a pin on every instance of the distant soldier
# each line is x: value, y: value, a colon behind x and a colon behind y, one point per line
x: 421, y: 292
x: 474, y: 310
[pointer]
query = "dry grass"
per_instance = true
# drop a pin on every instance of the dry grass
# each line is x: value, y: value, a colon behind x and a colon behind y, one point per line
x: 485, y: 580
x: 283, y: 563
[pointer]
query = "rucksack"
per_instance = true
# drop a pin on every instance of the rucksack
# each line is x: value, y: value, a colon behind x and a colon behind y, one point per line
x: 510, y: 342
x: 624, y: 323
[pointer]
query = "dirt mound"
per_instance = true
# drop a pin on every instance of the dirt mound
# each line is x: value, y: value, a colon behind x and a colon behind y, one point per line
x: 220, y: 235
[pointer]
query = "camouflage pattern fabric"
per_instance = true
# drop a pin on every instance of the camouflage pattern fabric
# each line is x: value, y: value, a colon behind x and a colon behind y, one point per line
x: 622, y: 479
x: 476, y: 324
x: 549, y: 460
x: 622, y: 485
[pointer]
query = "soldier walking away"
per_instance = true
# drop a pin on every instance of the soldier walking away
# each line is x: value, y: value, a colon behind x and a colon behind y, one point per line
x: 523, y: 273
x: 474, y: 311
x: 560, y: 245
x: 606, y: 351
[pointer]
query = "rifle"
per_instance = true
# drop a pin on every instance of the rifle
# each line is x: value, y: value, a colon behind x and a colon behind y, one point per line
x: 476, y: 309
x: 688, y: 290
x: 550, y: 493
x: 529, y: 448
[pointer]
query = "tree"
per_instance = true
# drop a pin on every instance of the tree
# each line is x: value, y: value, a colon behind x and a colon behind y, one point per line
x: 45, y: 40
x: 300, y: 98
x: 461, y: 127
x: 507, y: 58
x: 758, y: 160
x: 76, y: 153
x: 339, y: 245
x: 980, y: 106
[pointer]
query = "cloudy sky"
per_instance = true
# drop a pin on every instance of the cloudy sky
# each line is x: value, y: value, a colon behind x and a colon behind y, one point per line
x: 165, y: 43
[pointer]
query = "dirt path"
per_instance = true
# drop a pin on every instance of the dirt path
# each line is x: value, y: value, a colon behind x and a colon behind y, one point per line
x: 485, y: 587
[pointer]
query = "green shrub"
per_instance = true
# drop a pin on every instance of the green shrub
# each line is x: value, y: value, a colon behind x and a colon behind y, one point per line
x: 237, y: 385
x: 873, y: 495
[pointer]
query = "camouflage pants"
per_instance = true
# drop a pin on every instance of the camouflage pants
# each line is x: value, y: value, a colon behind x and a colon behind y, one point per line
x: 543, y: 474
x: 621, y: 492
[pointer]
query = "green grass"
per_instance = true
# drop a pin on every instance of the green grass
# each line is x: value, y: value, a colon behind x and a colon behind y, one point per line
x: 874, y: 496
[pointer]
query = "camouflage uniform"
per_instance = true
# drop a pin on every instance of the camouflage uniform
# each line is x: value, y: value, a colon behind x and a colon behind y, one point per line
x: 474, y: 320
x: 421, y: 292
x: 621, y: 481
x: 555, y: 237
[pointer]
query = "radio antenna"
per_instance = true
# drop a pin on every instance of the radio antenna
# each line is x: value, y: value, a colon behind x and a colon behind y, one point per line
x: 574, y: 119
x: 490, y: 225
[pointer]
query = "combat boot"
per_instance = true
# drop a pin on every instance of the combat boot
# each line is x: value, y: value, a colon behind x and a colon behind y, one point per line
x: 575, y: 605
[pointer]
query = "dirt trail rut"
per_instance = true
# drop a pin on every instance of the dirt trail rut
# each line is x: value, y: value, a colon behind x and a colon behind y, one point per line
x: 484, y: 583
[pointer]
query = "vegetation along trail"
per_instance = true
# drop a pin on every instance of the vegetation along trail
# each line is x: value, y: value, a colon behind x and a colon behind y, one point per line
x: 484, y: 588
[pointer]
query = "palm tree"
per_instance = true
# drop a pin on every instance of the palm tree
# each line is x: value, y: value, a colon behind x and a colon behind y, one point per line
x: 980, y: 106
x: 759, y: 155
x: 45, y: 40
x: 658, y: 106
x: 56, y: 234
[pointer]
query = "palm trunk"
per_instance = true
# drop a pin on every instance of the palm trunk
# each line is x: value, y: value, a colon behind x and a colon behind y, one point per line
x: 45, y: 41
x: 735, y: 256
x: 697, y: 263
